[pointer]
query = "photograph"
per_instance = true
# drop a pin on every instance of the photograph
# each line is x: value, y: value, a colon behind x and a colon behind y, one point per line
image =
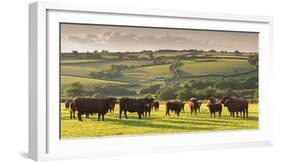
x: 139, y: 80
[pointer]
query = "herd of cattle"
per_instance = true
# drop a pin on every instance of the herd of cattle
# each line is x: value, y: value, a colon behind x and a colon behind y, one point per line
x: 144, y: 106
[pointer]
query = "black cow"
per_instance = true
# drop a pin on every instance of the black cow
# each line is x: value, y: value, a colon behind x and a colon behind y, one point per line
x: 156, y: 105
x: 236, y: 105
x: 132, y: 105
x: 175, y: 106
x: 213, y: 108
x: 148, y: 105
x: 112, y: 101
x: 66, y: 103
x: 91, y: 106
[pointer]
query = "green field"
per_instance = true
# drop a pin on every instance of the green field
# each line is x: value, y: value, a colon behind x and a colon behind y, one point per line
x: 88, y: 82
x: 219, y: 67
x: 158, y: 123
x: 145, y: 74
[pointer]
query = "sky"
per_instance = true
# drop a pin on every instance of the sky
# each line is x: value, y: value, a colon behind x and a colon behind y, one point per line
x: 82, y: 38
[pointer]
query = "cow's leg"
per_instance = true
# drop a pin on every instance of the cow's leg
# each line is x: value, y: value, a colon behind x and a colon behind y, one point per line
x: 79, y: 117
x: 167, y: 112
x: 149, y: 113
x: 74, y: 114
x: 195, y: 111
x: 87, y: 115
x: 125, y: 112
x: 102, y: 116
x: 99, y: 116
x: 140, y: 115
x: 220, y: 114
x: 237, y: 114
x: 120, y: 113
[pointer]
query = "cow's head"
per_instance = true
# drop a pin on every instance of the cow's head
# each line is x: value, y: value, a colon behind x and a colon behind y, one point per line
x: 223, y: 100
x: 227, y: 103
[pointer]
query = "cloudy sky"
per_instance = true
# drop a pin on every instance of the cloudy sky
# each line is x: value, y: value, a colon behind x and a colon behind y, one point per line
x: 115, y: 38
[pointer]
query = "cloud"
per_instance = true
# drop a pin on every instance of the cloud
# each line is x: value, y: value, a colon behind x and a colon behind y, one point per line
x: 127, y: 38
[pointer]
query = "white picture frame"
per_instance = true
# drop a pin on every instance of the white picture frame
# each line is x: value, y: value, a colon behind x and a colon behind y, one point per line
x: 44, y: 141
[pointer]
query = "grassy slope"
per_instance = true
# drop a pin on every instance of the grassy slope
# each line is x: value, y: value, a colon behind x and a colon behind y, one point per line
x: 84, y: 69
x: 158, y: 123
x: 87, y: 82
x: 221, y: 67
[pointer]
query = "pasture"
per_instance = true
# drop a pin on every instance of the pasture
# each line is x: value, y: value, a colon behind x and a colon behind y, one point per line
x: 158, y: 123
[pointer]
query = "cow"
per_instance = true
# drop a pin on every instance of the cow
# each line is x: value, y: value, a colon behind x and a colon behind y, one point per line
x: 236, y: 105
x: 132, y: 105
x: 72, y: 110
x: 148, y: 105
x: 194, y: 105
x: 66, y: 103
x: 213, y: 108
x: 112, y: 101
x: 156, y: 105
x: 86, y: 105
x: 175, y: 106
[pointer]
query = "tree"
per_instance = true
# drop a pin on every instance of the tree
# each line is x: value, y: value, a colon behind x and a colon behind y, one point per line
x: 167, y: 94
x: 210, y: 92
x: 238, y: 53
x: 184, y: 94
x: 75, y: 89
x: 253, y: 60
x: 212, y: 51
x: 74, y: 51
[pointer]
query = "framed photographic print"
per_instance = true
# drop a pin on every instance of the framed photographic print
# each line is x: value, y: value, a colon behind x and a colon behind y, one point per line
x: 108, y: 81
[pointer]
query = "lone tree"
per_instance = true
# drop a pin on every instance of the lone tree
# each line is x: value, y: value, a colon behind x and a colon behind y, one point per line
x: 75, y: 89
x: 236, y: 52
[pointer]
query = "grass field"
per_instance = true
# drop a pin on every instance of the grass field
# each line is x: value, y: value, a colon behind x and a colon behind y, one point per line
x: 88, y: 82
x: 158, y: 123
x: 220, y: 67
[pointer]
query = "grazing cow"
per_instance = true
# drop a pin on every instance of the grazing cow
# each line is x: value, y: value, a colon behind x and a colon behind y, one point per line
x: 156, y: 105
x: 72, y: 110
x: 112, y: 101
x: 88, y: 106
x: 132, y: 105
x: 66, y: 103
x: 214, y: 107
x: 236, y: 105
x: 194, y: 105
x: 175, y: 106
